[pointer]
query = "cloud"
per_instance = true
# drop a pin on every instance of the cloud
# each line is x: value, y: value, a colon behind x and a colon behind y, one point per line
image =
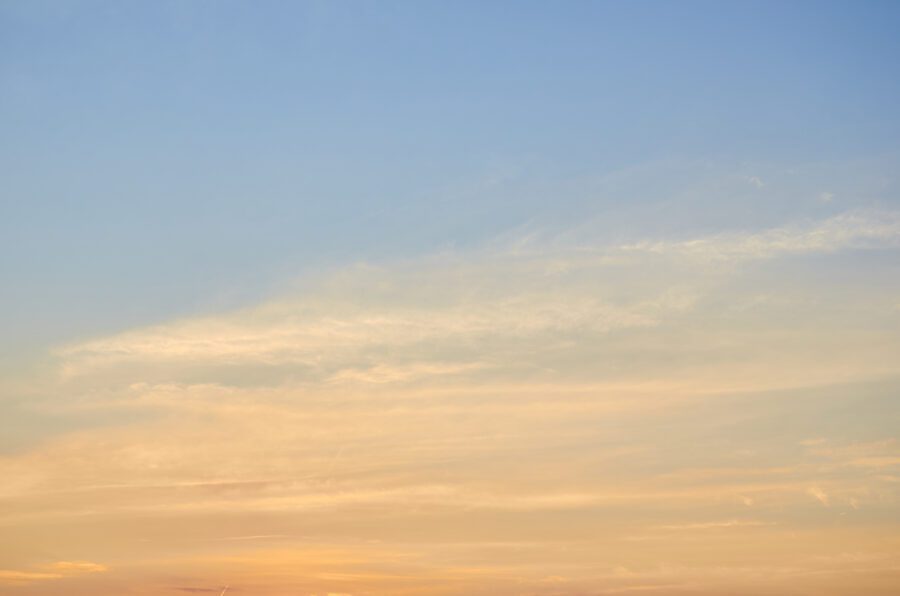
x: 24, y: 577
x: 871, y: 454
x: 424, y: 319
x: 541, y: 396
x: 731, y: 523
x: 852, y: 230
x: 819, y: 495
x: 448, y: 358
x: 53, y: 571
x: 78, y: 567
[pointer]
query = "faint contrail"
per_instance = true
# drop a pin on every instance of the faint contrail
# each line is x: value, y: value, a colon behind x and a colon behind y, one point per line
x: 337, y: 456
x: 225, y: 590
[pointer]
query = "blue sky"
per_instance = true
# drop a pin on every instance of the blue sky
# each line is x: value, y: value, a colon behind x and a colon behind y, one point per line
x: 164, y: 157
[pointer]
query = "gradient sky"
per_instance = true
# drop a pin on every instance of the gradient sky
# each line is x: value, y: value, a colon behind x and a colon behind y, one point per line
x: 449, y: 298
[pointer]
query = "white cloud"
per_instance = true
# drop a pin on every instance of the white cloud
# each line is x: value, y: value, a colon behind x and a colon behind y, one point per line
x: 854, y: 230
x: 423, y: 319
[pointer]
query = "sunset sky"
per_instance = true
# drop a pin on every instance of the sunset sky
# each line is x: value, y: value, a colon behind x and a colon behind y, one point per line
x: 449, y: 298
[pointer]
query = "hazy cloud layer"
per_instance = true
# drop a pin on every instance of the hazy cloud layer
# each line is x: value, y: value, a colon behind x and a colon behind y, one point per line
x: 494, y: 421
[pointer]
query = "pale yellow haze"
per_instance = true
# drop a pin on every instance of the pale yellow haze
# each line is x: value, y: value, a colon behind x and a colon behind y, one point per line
x: 708, y: 415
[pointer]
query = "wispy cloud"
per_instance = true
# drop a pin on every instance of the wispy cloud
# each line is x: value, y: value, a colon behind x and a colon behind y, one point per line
x: 567, y: 384
x: 79, y: 567
x: 853, y: 230
x: 731, y: 523
x: 21, y: 577
x: 53, y: 571
x: 428, y: 316
x: 818, y: 494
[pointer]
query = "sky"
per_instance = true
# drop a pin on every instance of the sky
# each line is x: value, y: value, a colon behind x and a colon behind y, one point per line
x: 533, y: 298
